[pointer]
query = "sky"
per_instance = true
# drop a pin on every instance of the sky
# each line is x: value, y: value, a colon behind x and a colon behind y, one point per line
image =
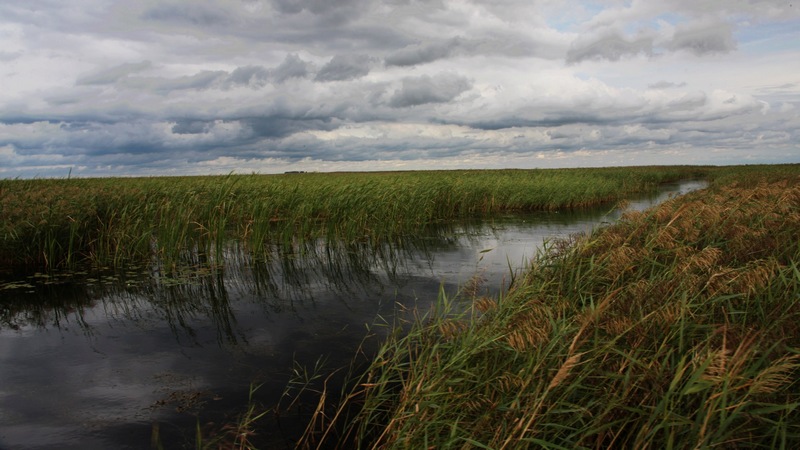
x: 171, y: 87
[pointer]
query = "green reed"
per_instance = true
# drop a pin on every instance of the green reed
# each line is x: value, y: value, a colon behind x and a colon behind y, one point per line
x: 58, y: 223
x: 678, y: 327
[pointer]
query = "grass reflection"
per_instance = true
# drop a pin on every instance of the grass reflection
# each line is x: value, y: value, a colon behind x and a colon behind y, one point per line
x: 281, y: 278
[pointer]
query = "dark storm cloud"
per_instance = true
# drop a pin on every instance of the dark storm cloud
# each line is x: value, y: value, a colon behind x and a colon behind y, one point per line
x: 345, y: 67
x: 425, y: 89
x: 112, y: 75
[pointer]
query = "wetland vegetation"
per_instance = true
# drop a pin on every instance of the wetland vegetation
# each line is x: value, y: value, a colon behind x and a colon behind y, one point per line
x: 673, y: 327
x: 64, y: 223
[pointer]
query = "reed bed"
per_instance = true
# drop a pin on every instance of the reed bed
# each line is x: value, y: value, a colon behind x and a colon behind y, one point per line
x: 61, y: 223
x: 678, y: 327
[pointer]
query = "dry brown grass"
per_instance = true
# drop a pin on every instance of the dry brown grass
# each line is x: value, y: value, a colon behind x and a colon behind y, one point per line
x: 677, y: 327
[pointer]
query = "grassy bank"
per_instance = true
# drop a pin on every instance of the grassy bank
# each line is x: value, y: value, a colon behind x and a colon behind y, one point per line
x: 59, y: 223
x: 678, y: 327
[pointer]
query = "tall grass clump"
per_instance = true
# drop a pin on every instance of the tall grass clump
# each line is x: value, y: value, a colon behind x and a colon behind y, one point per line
x: 678, y: 327
x: 56, y: 224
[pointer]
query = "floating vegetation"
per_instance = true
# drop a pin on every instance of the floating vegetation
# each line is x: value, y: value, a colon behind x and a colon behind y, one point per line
x: 15, y: 285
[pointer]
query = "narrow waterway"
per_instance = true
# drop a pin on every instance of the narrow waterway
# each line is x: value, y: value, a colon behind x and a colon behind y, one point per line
x: 102, y: 360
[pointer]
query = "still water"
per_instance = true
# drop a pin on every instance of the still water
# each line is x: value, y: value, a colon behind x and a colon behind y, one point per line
x: 101, y: 360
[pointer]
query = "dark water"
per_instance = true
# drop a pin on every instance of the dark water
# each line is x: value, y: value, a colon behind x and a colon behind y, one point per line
x: 101, y: 360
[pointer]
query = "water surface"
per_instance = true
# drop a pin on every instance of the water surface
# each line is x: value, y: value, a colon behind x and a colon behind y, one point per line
x: 97, y: 360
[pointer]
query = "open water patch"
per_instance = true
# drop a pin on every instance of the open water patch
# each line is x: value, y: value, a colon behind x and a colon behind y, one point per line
x: 101, y: 359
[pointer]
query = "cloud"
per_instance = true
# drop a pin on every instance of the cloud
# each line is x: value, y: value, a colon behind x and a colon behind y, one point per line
x: 501, y: 43
x: 191, y: 127
x: 610, y: 45
x: 279, y: 127
x: 315, y: 6
x: 253, y: 76
x: 113, y: 74
x: 248, y: 76
x: 666, y: 85
x: 425, y: 53
x: 699, y: 38
x: 203, y: 14
x: 201, y: 80
x: 425, y: 89
x: 345, y: 67
x: 658, y: 28
x: 149, y: 86
x: 291, y: 67
x: 9, y: 56
x: 703, y: 38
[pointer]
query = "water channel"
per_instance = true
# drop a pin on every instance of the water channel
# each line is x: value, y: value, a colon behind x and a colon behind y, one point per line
x: 100, y: 360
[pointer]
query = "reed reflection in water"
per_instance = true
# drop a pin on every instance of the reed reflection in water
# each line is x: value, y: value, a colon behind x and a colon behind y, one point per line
x: 92, y: 360
x: 98, y: 356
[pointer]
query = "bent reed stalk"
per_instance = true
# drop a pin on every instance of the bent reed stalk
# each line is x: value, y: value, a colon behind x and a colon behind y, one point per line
x: 60, y: 223
x: 678, y: 327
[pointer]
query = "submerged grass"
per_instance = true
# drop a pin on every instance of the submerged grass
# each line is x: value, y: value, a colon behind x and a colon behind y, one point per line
x: 59, y: 223
x: 678, y: 327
